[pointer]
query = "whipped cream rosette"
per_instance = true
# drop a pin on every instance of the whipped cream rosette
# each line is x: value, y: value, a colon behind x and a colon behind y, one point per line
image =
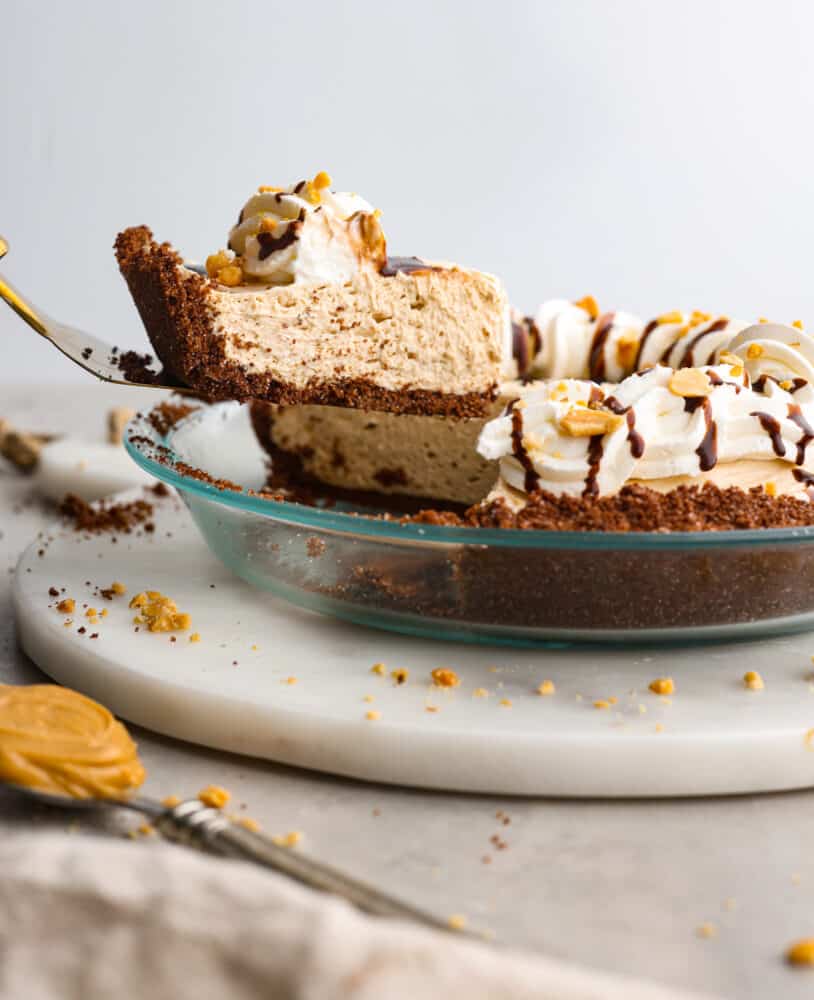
x: 300, y: 234
x: 661, y: 426
x: 776, y: 351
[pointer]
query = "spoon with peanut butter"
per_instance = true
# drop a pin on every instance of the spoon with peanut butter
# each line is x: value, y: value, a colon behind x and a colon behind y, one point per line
x: 63, y: 749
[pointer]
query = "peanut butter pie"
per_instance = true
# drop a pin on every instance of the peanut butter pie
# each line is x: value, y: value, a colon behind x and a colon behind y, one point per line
x: 305, y: 307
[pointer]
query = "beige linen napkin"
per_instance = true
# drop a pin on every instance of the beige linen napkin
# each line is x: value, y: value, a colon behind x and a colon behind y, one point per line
x: 89, y: 918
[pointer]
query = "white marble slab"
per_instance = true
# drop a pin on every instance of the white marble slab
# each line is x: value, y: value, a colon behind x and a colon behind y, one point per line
x: 273, y: 681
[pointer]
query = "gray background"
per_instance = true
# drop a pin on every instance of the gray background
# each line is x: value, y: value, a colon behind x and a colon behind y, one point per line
x: 655, y: 154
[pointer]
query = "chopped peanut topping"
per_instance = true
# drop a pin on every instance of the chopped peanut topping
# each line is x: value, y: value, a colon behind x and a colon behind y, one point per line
x: 195, y: 637
x: 118, y: 588
x: 268, y: 224
x: 754, y: 351
x: 798, y: 323
x: 753, y: 680
x: 588, y: 423
x: 400, y: 676
x: 379, y: 669
x: 763, y: 319
x: 268, y: 189
x: 770, y: 488
x: 707, y: 930
x: 697, y: 317
x: 546, y: 688
x: 480, y: 693
x: 589, y: 304
x: 67, y: 606
x: 787, y: 384
x: 216, y: 261
x: 734, y: 362
x: 214, y: 796
x: 159, y: 613
x: 231, y: 275
x: 91, y: 613
x: 171, y: 801
x: 314, y: 188
x: 505, y: 703
x: 688, y: 382
x: 249, y: 824
x: 457, y: 922
x: 676, y: 316
x: 601, y: 703
x: 662, y: 685
x: 445, y: 678
x: 373, y: 715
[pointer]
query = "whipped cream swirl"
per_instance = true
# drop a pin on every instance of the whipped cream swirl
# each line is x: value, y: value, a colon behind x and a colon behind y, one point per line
x: 306, y: 233
x: 572, y: 438
x: 576, y: 340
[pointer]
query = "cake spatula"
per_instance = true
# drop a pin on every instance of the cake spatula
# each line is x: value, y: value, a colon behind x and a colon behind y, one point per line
x: 96, y: 356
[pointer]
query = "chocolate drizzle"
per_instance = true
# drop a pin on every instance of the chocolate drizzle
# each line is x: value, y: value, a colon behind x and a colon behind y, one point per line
x: 691, y: 403
x: 405, y: 265
x: 596, y: 359
x: 759, y: 385
x: 716, y: 380
x: 651, y: 326
x: 796, y: 416
x: 802, y: 476
x: 532, y: 480
x: 595, y: 452
x: 597, y: 395
x: 635, y: 439
x: 686, y: 358
x: 271, y: 244
x: 707, y: 451
x: 772, y: 427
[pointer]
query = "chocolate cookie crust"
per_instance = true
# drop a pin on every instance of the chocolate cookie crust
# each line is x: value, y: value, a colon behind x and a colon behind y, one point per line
x: 638, y: 508
x: 174, y: 306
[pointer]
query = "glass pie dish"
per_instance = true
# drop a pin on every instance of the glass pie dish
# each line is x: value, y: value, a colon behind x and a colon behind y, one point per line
x: 474, y: 584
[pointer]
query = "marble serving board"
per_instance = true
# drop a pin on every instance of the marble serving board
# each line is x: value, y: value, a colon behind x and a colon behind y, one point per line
x: 276, y: 682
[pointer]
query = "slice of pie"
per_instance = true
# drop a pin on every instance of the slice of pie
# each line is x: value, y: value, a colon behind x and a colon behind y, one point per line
x: 305, y: 306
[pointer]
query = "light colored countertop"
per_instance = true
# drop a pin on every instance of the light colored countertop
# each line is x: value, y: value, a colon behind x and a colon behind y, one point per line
x: 622, y: 886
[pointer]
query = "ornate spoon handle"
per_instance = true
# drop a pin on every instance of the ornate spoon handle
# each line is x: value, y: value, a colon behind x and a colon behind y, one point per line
x: 199, y: 826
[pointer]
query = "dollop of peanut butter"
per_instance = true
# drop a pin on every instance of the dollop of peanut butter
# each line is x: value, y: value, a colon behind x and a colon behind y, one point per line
x: 56, y: 740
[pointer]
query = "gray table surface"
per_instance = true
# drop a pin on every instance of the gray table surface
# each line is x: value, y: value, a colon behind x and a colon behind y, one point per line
x: 621, y: 886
